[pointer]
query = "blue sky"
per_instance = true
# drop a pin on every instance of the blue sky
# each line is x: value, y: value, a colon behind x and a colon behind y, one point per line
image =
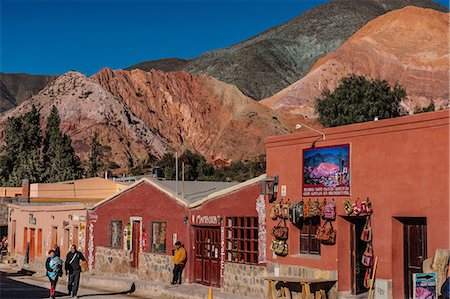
x: 53, y: 37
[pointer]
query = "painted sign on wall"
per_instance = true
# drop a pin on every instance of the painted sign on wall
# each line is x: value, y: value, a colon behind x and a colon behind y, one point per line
x: 326, y: 171
x: 424, y: 285
x: 205, y: 220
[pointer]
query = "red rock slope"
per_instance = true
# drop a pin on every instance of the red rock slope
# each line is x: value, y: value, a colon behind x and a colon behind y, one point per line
x: 196, y: 112
x: 409, y: 46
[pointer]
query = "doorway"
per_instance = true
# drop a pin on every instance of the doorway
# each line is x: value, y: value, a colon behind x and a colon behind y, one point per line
x: 357, y: 248
x: 135, y: 242
x: 75, y: 235
x: 415, y: 250
x: 66, y: 240
x: 207, y: 261
x: 39, y: 242
x: 54, y: 237
x: 32, y: 243
x: 25, y: 239
x: 13, y: 232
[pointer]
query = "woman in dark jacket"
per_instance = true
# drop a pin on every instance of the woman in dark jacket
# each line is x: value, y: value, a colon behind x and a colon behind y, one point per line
x: 53, y: 266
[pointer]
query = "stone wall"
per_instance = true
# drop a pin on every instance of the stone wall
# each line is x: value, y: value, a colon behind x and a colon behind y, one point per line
x: 117, y: 262
x: 113, y: 262
x: 155, y: 267
x: 245, y: 280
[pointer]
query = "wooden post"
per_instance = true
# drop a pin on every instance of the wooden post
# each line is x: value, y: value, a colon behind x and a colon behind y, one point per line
x: 372, y: 292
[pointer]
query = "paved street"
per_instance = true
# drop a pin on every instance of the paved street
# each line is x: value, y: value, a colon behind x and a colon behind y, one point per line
x: 20, y: 285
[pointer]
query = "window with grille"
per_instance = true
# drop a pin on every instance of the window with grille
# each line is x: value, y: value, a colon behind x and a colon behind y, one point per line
x: 308, y: 242
x: 242, y: 240
x: 116, y: 234
x: 159, y: 229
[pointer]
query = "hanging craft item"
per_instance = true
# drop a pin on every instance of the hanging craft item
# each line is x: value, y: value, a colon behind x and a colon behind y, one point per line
x: 280, y: 232
x: 357, y: 207
x: 366, y: 234
x: 279, y: 247
x: 366, y: 207
x: 326, y: 234
x: 329, y: 212
x: 314, y: 209
x: 306, y: 209
x: 273, y: 212
x: 348, y: 207
x: 367, y: 257
x: 284, y: 209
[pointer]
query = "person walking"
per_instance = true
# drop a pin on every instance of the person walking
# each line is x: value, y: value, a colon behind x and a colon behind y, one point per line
x: 57, y: 251
x: 53, y: 266
x: 73, y: 270
x: 179, y: 260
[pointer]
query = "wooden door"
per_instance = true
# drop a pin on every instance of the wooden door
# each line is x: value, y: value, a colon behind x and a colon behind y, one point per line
x: 207, y: 257
x: 75, y: 236
x: 66, y: 244
x: 415, y: 250
x: 39, y: 243
x: 54, y: 238
x: 32, y: 243
x: 25, y: 239
x: 135, y: 243
x: 13, y: 232
x: 357, y: 248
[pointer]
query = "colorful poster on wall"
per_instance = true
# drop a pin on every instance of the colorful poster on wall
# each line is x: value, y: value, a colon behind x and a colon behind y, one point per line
x: 424, y: 285
x: 326, y: 171
x: 159, y: 237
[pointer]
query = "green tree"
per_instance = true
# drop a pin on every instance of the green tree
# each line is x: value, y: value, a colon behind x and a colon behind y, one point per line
x: 357, y: 99
x: 60, y: 161
x: 95, y: 157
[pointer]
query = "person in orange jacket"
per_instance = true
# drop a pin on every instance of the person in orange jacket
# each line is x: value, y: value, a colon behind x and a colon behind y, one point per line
x: 179, y: 260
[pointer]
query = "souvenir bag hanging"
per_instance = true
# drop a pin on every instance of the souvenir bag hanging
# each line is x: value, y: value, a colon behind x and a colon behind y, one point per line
x: 367, y: 277
x: 298, y: 212
x: 284, y: 210
x: 326, y: 234
x: 279, y: 247
x: 330, y: 211
x: 366, y: 234
x: 367, y: 258
x: 314, y: 210
x: 280, y: 232
x: 273, y: 212
x: 366, y: 207
x: 291, y: 212
x: 357, y: 207
x: 348, y: 207
x: 306, y: 205
x: 322, y: 206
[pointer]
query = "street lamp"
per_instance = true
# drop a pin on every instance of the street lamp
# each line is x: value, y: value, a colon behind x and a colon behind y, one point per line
x: 300, y: 125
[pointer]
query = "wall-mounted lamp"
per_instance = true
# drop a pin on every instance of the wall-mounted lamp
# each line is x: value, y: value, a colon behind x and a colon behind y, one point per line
x: 299, y: 126
x: 269, y: 187
x: 185, y: 219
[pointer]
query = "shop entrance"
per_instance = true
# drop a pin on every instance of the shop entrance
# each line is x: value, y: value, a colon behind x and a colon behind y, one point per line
x: 415, y: 249
x: 207, y: 260
x: 135, y: 242
x: 357, y: 247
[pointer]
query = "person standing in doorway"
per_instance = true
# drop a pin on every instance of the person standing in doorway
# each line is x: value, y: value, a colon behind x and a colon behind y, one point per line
x: 179, y: 260
x: 53, y: 266
x: 73, y: 270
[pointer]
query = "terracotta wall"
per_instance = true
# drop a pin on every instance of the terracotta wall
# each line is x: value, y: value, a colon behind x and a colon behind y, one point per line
x: 401, y: 164
x: 10, y: 191
x: 144, y: 201
x: 47, y: 218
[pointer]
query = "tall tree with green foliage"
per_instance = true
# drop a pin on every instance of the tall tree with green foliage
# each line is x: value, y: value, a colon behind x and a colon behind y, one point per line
x: 22, y: 151
x: 95, y: 157
x: 60, y: 161
x: 357, y: 100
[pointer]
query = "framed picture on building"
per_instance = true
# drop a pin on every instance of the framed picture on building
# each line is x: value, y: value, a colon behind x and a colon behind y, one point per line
x: 326, y: 171
x: 159, y: 232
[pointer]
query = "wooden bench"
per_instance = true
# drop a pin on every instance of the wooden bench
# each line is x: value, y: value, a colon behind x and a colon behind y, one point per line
x: 305, y: 284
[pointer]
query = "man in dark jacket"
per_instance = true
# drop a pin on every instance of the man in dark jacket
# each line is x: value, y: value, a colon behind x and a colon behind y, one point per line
x: 73, y: 270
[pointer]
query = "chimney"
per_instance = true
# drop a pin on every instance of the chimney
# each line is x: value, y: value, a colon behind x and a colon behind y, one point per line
x: 26, y: 188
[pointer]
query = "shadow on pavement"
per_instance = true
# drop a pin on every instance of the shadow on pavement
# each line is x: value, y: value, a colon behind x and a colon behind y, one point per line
x: 10, y: 288
x: 130, y: 291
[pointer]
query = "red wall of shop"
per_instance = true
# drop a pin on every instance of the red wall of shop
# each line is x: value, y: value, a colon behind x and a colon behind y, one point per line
x: 241, y: 202
x: 146, y: 201
x: 401, y: 164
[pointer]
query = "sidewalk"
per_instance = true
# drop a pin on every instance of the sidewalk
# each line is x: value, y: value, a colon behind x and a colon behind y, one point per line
x: 145, y: 288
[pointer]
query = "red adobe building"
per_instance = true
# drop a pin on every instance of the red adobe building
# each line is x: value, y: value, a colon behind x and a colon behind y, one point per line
x: 401, y: 164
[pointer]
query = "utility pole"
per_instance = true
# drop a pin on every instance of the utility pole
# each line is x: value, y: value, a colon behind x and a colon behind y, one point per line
x: 176, y: 173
